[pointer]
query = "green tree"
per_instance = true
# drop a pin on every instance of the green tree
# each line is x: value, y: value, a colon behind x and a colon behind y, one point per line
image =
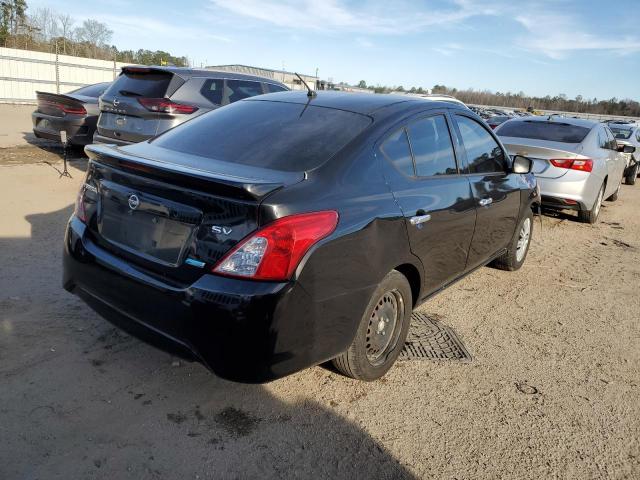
x: 362, y: 84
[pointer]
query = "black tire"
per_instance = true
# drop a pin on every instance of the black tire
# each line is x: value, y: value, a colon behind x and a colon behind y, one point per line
x: 515, y: 257
x: 630, y: 178
x: 357, y: 361
x: 590, y: 216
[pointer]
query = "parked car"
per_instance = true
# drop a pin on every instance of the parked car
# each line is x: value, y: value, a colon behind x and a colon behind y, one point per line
x: 494, y: 121
x: 284, y: 231
x: 145, y: 101
x: 628, y: 134
x: 75, y: 112
x: 577, y: 162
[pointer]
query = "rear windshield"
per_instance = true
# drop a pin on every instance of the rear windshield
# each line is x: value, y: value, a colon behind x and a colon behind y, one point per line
x: 281, y: 136
x: 551, y: 131
x: 621, y: 133
x: 92, y: 90
x: 150, y: 84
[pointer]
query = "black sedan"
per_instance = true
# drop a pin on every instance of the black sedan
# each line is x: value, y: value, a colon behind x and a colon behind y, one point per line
x: 75, y: 112
x: 283, y: 231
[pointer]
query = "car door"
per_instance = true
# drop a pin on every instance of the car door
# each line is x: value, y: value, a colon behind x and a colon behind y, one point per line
x: 495, y: 189
x: 618, y: 160
x: 436, y: 201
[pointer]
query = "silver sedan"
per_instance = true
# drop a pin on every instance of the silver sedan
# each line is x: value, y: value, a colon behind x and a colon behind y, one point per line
x: 577, y: 163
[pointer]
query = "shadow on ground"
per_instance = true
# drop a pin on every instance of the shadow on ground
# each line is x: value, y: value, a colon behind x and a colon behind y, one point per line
x: 80, y: 399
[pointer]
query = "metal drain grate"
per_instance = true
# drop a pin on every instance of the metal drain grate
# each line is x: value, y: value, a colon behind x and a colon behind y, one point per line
x: 431, y: 340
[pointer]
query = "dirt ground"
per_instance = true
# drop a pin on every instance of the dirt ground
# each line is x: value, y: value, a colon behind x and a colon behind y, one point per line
x: 552, y: 391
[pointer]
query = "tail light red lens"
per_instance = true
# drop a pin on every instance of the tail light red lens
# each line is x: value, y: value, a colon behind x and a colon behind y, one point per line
x: 73, y: 110
x: 275, y: 251
x: 582, y: 164
x: 164, y: 105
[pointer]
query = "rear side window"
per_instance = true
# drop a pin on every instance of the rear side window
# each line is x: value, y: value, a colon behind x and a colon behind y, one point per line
x: 93, y: 91
x: 551, y: 131
x: 432, y: 147
x: 271, y: 88
x: 483, y: 152
x: 213, y: 90
x: 239, y: 89
x: 152, y: 84
x: 396, y: 149
x: 275, y: 135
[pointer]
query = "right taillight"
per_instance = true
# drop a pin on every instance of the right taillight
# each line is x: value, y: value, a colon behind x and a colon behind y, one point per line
x: 274, y: 252
x: 164, y: 105
x: 581, y: 164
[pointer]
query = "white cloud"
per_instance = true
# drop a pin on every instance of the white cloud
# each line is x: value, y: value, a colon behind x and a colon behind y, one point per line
x: 334, y: 15
x: 556, y: 36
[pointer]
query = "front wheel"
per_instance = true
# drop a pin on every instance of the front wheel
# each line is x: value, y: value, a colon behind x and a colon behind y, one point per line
x: 630, y: 178
x: 382, y: 331
x: 519, y: 247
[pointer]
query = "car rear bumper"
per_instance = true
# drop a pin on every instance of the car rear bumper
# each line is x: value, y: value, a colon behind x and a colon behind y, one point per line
x: 79, y: 130
x: 242, y: 330
x: 574, y: 190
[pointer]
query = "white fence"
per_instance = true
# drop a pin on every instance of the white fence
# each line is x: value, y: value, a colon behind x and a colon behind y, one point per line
x: 22, y: 72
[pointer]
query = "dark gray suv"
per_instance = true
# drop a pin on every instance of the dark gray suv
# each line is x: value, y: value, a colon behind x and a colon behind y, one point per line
x: 145, y: 101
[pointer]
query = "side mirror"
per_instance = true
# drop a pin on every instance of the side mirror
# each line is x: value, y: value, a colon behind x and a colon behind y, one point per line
x: 626, y: 148
x: 522, y: 164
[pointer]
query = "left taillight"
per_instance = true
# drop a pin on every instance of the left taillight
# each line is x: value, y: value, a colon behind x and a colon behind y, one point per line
x: 582, y: 164
x: 275, y: 251
x: 164, y: 105
x: 73, y: 110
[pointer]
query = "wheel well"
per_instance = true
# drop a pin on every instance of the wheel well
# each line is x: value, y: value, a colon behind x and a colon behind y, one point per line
x: 413, y: 277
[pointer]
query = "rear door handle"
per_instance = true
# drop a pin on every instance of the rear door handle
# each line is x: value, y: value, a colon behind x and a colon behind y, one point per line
x: 485, y: 202
x: 419, y: 219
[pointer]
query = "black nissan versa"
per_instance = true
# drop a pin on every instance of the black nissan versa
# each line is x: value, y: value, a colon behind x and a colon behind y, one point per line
x: 283, y: 231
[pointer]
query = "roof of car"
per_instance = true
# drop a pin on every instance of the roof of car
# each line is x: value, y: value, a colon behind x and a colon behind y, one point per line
x: 579, y: 122
x: 187, y: 72
x: 363, y: 103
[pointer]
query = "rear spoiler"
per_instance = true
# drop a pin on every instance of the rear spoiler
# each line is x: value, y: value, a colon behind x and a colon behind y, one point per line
x: 190, y: 176
x: 58, y: 98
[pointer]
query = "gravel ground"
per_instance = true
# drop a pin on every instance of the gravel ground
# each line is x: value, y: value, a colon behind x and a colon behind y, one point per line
x: 552, y: 391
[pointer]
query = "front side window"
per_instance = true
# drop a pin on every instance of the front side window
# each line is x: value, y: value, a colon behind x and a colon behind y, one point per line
x: 483, y: 152
x: 239, y: 89
x: 396, y: 149
x: 432, y: 147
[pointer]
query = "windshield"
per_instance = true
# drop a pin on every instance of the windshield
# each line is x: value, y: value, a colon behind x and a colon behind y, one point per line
x: 551, y: 131
x: 621, y: 133
x: 276, y: 135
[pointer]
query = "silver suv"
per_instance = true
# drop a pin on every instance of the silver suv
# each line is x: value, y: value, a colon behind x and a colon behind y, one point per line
x: 146, y: 101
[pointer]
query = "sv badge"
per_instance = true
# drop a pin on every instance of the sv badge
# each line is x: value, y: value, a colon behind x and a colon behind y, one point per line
x: 221, y: 230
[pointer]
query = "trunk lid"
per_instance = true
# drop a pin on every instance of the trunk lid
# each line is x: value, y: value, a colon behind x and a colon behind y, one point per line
x: 541, y: 152
x: 173, y: 218
x: 123, y: 117
x: 60, y: 105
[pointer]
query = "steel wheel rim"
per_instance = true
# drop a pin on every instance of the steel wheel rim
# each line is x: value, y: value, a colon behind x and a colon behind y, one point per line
x: 523, y: 239
x: 596, y: 210
x: 384, y: 327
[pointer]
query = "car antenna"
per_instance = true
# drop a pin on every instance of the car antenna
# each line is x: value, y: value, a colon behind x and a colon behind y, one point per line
x: 310, y: 93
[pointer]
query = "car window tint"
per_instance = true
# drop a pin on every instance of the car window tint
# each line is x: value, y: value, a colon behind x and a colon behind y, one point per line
x: 432, y: 147
x: 483, y: 152
x: 153, y: 84
x: 92, y: 90
x: 396, y: 149
x: 276, y: 135
x: 552, y: 131
x: 239, y: 89
x: 213, y: 90
x: 271, y: 88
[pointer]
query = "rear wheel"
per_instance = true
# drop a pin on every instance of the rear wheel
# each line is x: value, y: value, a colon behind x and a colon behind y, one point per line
x: 517, y: 251
x: 630, y: 178
x: 590, y: 216
x: 382, y: 331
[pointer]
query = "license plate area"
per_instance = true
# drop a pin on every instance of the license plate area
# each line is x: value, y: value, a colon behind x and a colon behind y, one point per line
x: 152, y: 230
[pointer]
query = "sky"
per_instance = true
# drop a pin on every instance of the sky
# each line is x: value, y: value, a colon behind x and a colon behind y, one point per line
x: 541, y: 47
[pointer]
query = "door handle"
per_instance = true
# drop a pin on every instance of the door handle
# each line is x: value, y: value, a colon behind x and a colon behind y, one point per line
x: 485, y: 202
x: 419, y: 219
